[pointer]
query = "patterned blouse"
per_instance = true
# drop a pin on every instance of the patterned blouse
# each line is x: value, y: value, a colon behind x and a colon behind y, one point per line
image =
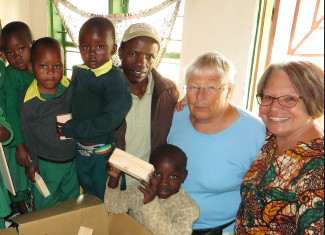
x: 284, y: 194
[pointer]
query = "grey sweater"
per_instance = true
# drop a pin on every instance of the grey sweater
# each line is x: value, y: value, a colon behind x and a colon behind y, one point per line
x: 38, y: 122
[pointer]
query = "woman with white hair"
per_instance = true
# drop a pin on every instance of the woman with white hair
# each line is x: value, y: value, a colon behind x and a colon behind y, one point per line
x: 220, y: 140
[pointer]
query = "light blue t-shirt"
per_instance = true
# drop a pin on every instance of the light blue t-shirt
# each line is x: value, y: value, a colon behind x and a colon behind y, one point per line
x: 217, y: 164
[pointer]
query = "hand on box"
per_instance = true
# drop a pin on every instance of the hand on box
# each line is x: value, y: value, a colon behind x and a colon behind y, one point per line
x: 150, y: 189
x: 22, y: 156
x: 30, y: 172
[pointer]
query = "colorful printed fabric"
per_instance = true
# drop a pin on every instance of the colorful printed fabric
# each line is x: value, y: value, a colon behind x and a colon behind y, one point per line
x: 284, y: 194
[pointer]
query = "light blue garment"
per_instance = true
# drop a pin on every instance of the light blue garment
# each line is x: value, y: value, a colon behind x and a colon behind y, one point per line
x: 217, y: 163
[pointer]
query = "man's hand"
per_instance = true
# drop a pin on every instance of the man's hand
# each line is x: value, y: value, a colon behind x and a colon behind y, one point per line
x: 180, y: 104
x: 149, y: 191
x: 30, y: 172
x: 22, y: 156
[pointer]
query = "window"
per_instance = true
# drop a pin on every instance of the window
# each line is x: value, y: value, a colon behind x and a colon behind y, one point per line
x: 287, y: 30
x: 169, y: 67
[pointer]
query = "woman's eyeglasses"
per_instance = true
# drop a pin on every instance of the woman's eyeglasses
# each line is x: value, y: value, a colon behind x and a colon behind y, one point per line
x: 287, y: 101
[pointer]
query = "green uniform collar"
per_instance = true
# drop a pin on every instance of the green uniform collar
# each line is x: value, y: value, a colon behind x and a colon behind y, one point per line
x: 101, y: 70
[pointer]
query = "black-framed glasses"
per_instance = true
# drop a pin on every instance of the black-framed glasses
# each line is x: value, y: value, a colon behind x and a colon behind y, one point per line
x: 287, y: 101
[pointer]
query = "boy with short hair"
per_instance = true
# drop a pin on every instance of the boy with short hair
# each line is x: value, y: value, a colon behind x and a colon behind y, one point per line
x: 16, y: 42
x: 162, y: 205
x: 5, y: 138
x: 48, y: 96
x: 101, y: 99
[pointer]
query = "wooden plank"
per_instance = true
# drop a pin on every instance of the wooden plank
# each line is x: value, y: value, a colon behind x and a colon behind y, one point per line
x: 85, y: 231
x: 41, y: 186
x: 131, y: 165
x: 63, y: 119
x: 5, y: 173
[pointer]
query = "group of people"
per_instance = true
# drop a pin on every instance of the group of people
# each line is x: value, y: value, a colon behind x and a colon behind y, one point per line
x: 219, y: 169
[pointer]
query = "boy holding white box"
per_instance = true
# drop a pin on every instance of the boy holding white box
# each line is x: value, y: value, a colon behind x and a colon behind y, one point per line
x: 161, y: 204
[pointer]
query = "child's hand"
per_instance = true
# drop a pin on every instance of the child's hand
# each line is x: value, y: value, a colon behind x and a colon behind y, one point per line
x: 22, y: 156
x: 30, y: 172
x: 149, y: 191
x: 180, y: 105
x: 4, y: 134
x: 113, y: 171
x: 59, y: 128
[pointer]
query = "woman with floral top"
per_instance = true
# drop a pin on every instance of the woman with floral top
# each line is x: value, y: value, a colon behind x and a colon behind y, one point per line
x: 283, y: 191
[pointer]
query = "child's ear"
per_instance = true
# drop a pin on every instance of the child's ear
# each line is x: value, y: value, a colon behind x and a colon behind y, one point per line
x: 184, y: 176
x: 114, y: 49
x: 30, y: 67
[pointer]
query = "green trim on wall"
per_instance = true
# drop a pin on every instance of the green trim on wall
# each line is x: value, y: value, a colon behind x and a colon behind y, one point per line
x: 118, y: 6
x: 56, y: 29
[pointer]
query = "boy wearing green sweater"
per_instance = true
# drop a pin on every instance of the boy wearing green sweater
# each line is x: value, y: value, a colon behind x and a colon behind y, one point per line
x: 101, y: 99
x: 16, y: 42
x: 48, y: 96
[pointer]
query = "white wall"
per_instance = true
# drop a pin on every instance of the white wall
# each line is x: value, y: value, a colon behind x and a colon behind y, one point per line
x: 220, y: 25
x: 32, y: 12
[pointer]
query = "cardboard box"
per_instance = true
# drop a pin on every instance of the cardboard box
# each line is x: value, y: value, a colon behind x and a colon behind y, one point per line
x: 66, y: 218
x: 8, y: 231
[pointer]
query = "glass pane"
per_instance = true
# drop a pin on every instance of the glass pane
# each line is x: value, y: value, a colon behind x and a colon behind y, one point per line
x: 73, y: 58
x: 178, y: 29
x: 140, y: 5
x: 181, y: 8
x: 67, y: 38
x: 94, y: 6
x: 174, y: 46
x: 169, y: 68
x: 69, y: 73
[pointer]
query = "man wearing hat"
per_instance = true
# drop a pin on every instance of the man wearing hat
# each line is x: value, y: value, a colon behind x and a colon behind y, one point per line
x: 154, y: 97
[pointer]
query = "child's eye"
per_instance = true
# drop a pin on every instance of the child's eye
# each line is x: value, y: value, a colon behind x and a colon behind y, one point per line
x: 156, y: 174
x: 85, y: 47
x: 10, y: 53
x: 57, y: 66
x: 21, y: 48
x: 132, y: 53
x: 149, y: 57
x: 100, y: 47
x: 173, y: 176
x: 43, y: 66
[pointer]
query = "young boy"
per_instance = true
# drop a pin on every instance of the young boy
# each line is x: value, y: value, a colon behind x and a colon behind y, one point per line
x: 16, y: 42
x: 5, y: 138
x: 162, y: 205
x: 48, y: 96
x: 101, y: 99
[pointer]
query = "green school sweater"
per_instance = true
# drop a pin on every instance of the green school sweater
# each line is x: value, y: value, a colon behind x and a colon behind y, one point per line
x: 16, y: 82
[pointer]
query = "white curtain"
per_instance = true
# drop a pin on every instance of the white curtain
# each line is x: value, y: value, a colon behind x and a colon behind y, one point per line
x: 162, y: 17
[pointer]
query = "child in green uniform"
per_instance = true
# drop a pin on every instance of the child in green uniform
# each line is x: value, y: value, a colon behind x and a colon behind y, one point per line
x: 48, y: 96
x: 5, y: 137
x: 101, y: 99
x: 16, y: 41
